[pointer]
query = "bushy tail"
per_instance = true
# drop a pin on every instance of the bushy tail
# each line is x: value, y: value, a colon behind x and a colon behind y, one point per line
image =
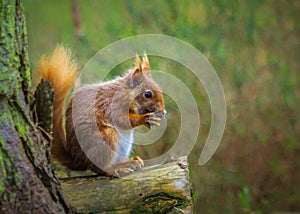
x: 61, y: 71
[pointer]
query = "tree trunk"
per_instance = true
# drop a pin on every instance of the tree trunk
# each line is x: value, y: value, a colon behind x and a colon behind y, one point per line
x: 27, y: 181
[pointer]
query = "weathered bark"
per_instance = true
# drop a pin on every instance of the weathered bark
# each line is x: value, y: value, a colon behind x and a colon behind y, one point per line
x: 27, y: 181
x: 160, y: 189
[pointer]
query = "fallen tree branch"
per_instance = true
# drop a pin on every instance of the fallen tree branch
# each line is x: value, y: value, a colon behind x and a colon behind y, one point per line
x: 164, y: 188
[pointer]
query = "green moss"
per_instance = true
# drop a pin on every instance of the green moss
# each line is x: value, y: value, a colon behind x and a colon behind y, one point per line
x: 159, y: 202
x: 15, y: 60
x: 7, y: 64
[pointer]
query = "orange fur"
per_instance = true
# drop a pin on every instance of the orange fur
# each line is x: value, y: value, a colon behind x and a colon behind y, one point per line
x: 61, y: 71
x: 106, y: 151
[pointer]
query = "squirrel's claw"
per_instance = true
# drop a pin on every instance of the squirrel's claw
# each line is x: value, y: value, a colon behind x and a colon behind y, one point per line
x: 139, y: 161
x: 153, y: 123
x: 151, y: 120
x: 125, y: 168
x: 121, y: 172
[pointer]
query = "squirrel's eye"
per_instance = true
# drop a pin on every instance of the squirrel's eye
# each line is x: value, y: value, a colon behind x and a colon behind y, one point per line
x: 148, y: 94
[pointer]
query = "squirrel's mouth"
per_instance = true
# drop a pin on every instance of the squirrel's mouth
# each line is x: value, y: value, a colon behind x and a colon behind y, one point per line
x: 147, y: 110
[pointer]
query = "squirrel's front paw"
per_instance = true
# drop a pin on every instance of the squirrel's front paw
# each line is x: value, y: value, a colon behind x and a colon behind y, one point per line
x: 139, y: 163
x: 151, y: 120
x: 125, y: 168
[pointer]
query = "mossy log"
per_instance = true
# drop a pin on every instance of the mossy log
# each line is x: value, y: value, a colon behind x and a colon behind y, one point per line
x: 163, y: 188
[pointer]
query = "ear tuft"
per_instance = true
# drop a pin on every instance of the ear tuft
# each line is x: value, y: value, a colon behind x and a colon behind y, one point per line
x: 141, y: 67
x: 145, y: 64
x: 138, y: 64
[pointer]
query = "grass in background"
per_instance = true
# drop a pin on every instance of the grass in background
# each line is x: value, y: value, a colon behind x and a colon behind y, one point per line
x: 253, y: 46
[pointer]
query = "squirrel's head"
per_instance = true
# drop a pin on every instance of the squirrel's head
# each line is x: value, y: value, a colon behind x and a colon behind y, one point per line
x: 146, y: 96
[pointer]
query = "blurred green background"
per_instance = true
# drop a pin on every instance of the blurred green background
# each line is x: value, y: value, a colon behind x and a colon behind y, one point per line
x: 254, y: 47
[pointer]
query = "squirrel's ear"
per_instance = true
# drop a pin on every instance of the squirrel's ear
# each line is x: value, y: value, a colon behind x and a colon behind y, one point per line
x: 136, y: 76
x: 140, y: 70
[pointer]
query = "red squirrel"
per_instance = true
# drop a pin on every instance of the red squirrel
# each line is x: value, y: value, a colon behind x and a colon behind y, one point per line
x: 118, y: 107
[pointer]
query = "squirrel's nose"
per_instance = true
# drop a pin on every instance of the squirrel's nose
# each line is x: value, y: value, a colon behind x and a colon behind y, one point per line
x: 163, y: 114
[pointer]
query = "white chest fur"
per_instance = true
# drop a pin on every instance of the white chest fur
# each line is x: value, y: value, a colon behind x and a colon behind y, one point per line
x: 124, y: 147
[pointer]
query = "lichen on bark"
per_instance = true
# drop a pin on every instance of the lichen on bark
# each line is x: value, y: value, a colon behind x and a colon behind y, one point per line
x: 159, y: 202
